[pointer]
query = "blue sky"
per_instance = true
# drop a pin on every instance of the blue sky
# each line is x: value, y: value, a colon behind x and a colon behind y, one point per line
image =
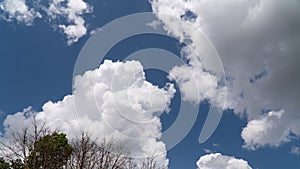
x: 37, y: 63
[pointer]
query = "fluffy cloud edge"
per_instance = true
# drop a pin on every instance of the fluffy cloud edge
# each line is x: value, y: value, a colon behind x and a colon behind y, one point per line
x: 100, y: 104
x: 219, y: 161
x: 20, y: 11
x: 260, y: 67
x: 71, y: 11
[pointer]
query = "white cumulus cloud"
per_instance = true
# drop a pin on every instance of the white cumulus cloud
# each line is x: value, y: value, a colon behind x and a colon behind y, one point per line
x: 19, y: 10
x: 268, y: 130
x: 219, y: 161
x: 258, y: 43
x: 73, y: 10
x: 67, y: 15
x: 114, y: 100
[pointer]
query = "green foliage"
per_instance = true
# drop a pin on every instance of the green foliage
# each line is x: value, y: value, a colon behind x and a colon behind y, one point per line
x: 17, y: 164
x: 3, y: 164
x: 50, y: 152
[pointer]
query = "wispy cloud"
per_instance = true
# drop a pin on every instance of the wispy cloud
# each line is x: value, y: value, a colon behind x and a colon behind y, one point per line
x: 295, y: 150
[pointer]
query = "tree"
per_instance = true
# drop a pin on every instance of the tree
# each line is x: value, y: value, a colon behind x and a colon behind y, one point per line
x: 151, y: 163
x: 84, y: 152
x: 17, y: 164
x: 4, y: 164
x: 36, y: 147
x: 50, y: 152
x: 88, y: 154
x: 17, y: 149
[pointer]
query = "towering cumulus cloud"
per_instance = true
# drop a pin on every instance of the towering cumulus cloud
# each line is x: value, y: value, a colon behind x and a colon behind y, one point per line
x: 114, y: 100
x: 259, y: 44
